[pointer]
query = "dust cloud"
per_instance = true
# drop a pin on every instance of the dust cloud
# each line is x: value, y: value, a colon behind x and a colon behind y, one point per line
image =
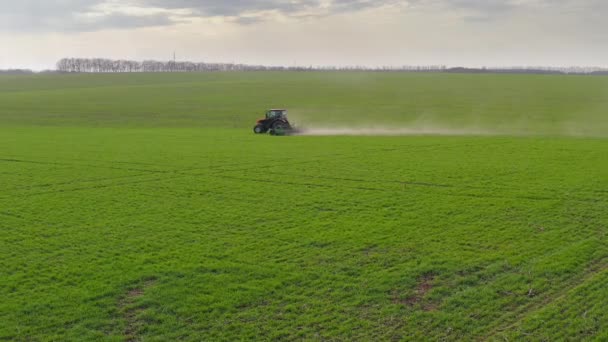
x: 384, y: 131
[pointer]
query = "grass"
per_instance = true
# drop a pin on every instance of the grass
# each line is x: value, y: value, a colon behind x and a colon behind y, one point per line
x: 141, y: 207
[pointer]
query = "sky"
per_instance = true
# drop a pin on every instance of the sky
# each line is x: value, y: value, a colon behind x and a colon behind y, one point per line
x: 494, y: 33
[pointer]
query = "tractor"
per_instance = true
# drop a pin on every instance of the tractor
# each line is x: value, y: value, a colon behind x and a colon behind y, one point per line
x: 275, y: 123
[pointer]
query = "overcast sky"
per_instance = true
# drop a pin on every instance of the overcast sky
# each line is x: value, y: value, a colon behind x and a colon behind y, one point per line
x: 36, y: 33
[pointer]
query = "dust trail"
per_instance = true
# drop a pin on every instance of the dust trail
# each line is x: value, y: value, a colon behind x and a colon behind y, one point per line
x: 376, y: 131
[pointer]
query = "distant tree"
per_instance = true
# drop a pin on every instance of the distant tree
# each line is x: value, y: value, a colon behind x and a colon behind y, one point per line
x: 102, y: 65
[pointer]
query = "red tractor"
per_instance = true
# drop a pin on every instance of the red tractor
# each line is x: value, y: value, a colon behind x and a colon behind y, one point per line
x: 275, y: 123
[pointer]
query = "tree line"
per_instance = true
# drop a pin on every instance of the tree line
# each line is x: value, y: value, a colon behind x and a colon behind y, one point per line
x: 16, y: 72
x: 104, y: 65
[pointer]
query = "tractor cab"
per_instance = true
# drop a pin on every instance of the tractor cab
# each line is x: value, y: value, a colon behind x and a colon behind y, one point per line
x: 276, y: 114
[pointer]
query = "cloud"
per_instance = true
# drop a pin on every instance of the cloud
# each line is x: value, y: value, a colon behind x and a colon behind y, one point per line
x: 120, y: 21
x: 231, y: 7
x: 497, y: 8
x: 74, y: 15
x: 288, y: 7
x: 472, y: 10
x: 91, y: 15
x: 94, y: 15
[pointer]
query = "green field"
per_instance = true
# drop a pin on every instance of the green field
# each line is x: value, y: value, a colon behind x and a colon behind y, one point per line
x: 142, y: 207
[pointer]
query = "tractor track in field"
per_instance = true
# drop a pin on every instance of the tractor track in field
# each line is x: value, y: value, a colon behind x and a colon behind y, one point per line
x: 220, y: 170
x: 221, y: 173
x: 176, y: 175
x: 77, y: 181
x: 83, y: 188
x: 32, y: 220
x: 511, y: 320
x: 94, y: 187
x: 429, y: 184
x: 333, y: 156
x: 66, y: 161
x: 317, y: 159
x: 182, y: 173
x: 359, y: 180
x: 80, y: 165
x: 17, y: 216
x: 328, y: 186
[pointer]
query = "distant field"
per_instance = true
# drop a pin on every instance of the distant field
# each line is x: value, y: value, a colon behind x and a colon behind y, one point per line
x: 142, y: 207
x: 512, y: 104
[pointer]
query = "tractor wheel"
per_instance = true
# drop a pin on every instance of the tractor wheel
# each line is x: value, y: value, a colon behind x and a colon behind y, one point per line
x: 258, y: 129
x: 278, y: 128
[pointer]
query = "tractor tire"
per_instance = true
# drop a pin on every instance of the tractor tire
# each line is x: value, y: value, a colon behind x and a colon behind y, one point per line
x: 258, y: 129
